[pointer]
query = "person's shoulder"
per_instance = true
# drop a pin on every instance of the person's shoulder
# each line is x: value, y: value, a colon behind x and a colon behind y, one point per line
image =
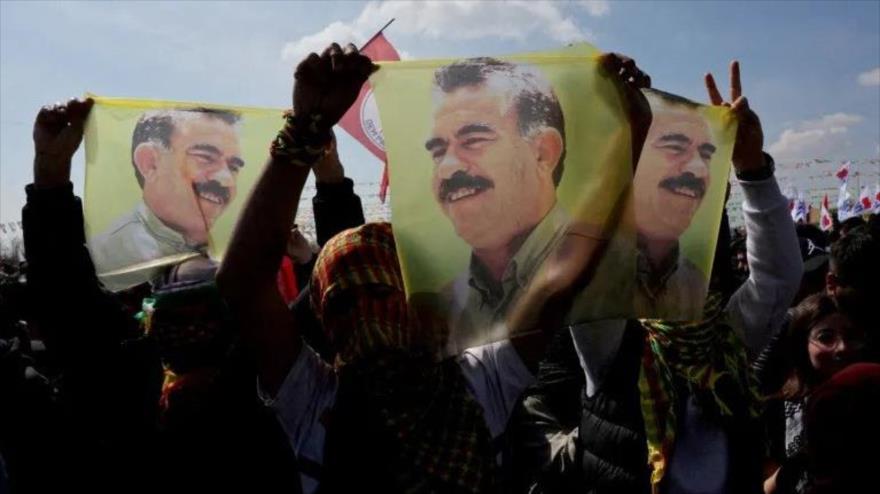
x: 122, y: 226
x: 127, y: 241
x: 310, y: 378
x: 498, y: 354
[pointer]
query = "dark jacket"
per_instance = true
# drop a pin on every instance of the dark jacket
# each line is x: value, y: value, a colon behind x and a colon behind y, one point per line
x: 336, y: 208
x: 109, y: 376
x: 611, y: 452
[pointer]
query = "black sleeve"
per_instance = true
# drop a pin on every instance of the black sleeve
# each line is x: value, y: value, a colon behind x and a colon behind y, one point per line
x: 111, y: 381
x: 110, y: 375
x: 336, y: 208
x: 772, y: 364
x: 304, y: 273
x: 74, y: 312
x: 309, y: 326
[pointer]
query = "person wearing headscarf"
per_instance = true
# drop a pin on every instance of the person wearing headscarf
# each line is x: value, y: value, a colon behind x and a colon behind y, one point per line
x: 385, y: 415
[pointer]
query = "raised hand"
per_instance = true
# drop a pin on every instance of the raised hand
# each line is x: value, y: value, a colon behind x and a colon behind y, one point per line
x: 748, y: 148
x: 329, y: 169
x: 58, y: 132
x: 298, y: 248
x: 626, y: 69
x: 328, y: 85
x: 633, y: 81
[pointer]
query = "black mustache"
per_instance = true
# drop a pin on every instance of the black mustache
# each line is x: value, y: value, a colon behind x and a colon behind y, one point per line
x: 213, y: 187
x: 686, y: 180
x: 461, y: 180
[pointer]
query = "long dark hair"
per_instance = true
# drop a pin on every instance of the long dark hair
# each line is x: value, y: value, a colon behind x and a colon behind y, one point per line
x: 801, y: 376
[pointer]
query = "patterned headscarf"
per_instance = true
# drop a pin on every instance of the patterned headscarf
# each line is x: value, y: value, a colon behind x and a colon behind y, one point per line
x: 190, y: 324
x: 709, y: 357
x: 364, y: 257
x: 189, y: 321
x: 422, y: 406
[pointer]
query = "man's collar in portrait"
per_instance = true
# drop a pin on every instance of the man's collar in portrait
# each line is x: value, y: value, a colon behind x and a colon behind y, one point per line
x: 539, y: 243
x: 162, y: 232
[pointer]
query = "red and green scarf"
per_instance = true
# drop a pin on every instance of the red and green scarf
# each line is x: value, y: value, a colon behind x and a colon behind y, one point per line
x: 709, y: 357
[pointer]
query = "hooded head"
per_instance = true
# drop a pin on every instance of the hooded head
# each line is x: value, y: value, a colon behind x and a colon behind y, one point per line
x: 358, y: 295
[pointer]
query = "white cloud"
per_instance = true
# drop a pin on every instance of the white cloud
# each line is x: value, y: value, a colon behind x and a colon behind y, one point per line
x: 824, y: 137
x: 337, y: 31
x: 596, y: 8
x: 835, y: 121
x: 461, y: 19
x: 870, y: 78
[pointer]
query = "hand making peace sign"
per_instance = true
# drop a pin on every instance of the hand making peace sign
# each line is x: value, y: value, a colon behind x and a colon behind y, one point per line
x: 748, y: 149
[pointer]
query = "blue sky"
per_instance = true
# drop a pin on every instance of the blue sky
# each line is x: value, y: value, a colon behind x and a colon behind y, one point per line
x: 811, y: 69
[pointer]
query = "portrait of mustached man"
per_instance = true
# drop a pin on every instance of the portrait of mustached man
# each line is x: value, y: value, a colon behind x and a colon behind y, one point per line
x: 498, y: 148
x: 186, y: 162
x: 670, y: 182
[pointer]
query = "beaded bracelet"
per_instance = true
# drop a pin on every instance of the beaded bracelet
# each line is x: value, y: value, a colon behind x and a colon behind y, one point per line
x: 301, y: 142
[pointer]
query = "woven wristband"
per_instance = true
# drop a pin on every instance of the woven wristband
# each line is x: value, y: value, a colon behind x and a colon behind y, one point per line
x: 301, y: 142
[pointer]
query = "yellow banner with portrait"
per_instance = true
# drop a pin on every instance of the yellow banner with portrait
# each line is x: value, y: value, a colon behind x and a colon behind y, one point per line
x: 515, y: 203
x: 165, y: 181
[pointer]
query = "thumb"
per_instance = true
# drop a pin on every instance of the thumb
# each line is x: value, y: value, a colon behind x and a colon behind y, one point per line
x: 740, y: 106
x: 78, y: 112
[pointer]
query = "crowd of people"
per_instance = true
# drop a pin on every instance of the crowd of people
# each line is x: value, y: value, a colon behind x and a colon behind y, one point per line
x: 229, y: 376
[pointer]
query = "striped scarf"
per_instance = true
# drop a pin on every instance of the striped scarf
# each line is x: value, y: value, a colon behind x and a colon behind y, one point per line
x: 441, y: 442
x: 362, y: 258
x: 423, y: 408
x: 709, y: 357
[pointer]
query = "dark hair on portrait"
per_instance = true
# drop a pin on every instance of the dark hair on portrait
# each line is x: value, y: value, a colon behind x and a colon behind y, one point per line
x: 535, y: 106
x: 670, y: 99
x: 157, y: 126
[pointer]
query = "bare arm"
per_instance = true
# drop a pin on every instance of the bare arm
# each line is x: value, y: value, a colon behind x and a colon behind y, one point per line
x: 325, y: 87
x: 336, y: 206
x: 247, y: 275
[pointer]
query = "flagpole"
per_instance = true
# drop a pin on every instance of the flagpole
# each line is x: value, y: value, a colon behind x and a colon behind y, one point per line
x: 859, y: 183
x: 377, y: 34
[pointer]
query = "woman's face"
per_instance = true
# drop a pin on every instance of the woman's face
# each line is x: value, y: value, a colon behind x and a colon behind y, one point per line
x: 834, y: 343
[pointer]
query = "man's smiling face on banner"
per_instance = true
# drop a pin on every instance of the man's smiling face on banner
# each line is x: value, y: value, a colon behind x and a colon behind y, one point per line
x: 673, y: 173
x: 207, y: 152
x: 489, y: 179
x: 190, y: 182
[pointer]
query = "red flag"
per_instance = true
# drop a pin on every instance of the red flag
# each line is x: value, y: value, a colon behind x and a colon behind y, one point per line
x: 362, y: 119
x: 843, y: 173
x: 383, y: 185
x: 876, y: 207
x: 286, y: 280
x: 865, y: 198
x: 826, y: 223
